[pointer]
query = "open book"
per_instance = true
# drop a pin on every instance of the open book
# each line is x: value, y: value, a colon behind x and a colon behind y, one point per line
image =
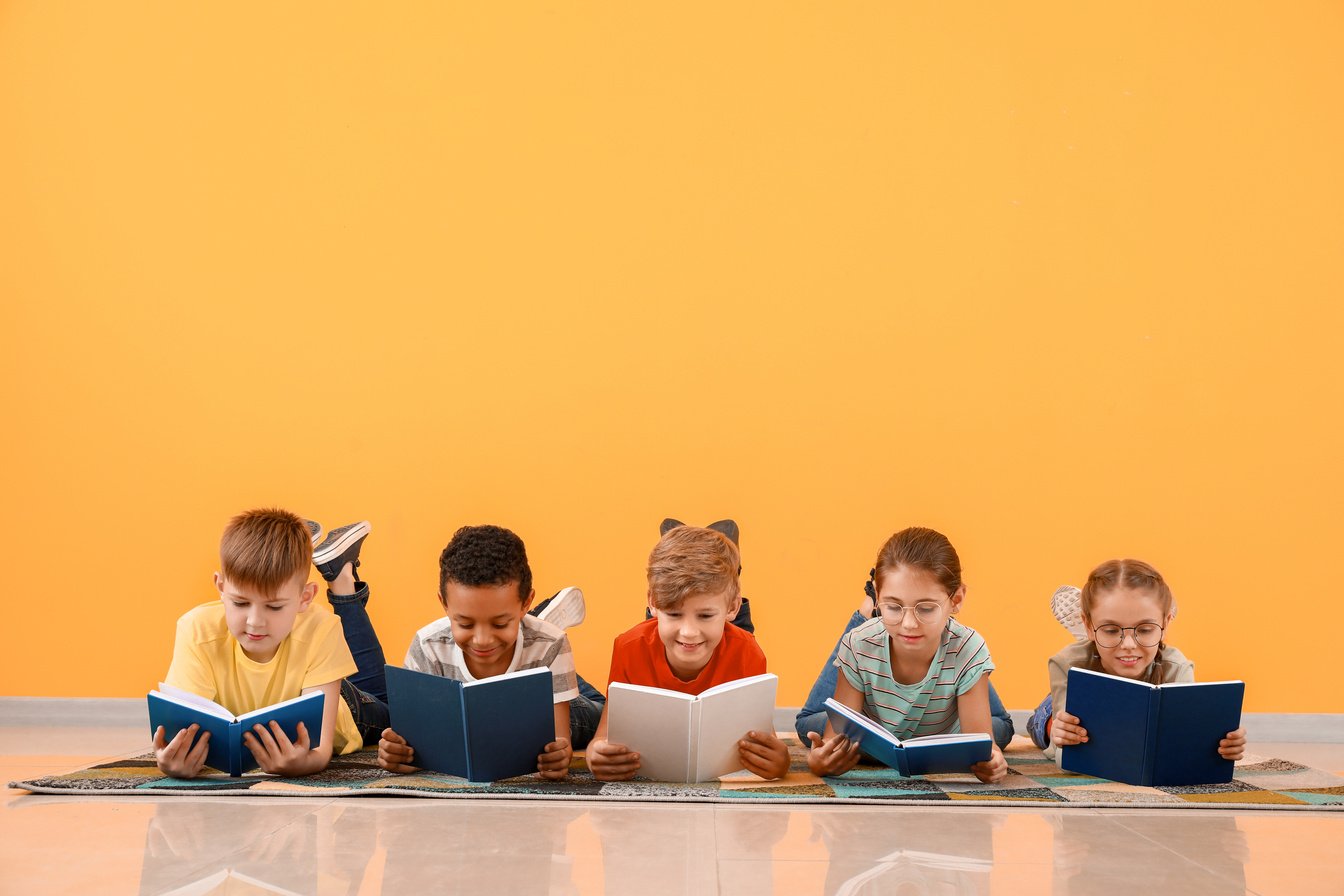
x: 1151, y: 734
x: 685, y: 738
x: 175, y: 709
x: 929, y: 755
x: 479, y: 730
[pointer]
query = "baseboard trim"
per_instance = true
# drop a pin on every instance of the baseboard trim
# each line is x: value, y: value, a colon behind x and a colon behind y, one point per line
x: 1279, y: 727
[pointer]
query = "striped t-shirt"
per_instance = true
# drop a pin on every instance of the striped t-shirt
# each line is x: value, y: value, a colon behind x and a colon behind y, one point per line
x: 928, y: 706
x: 539, y: 644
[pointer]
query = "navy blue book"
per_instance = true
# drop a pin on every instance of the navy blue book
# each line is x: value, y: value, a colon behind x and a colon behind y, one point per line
x: 1152, y: 735
x: 176, y: 709
x: 481, y: 730
x: 929, y: 755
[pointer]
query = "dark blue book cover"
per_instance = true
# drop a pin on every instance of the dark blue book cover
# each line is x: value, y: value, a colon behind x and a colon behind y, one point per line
x: 482, y: 731
x: 175, y: 709
x: 931, y: 755
x: 1151, y: 735
x: 1192, y: 720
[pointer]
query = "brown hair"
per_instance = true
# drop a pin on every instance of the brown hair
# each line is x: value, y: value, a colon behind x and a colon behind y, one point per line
x: 689, y: 560
x: 923, y: 549
x: 1132, y: 574
x: 264, y: 549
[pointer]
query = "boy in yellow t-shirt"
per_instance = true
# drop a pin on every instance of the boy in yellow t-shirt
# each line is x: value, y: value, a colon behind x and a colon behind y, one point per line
x: 262, y: 642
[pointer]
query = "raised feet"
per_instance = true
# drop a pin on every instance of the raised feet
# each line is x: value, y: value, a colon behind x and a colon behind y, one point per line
x: 341, y: 547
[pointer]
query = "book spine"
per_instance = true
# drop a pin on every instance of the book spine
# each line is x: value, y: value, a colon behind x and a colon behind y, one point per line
x: 1150, y: 738
x: 693, y: 767
x: 465, y: 728
x: 236, y: 748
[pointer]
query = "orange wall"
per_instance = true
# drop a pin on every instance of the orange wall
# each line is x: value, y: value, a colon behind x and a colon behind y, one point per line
x: 1062, y: 282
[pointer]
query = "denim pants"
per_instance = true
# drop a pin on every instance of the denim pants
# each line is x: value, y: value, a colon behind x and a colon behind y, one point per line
x: 365, y: 692
x: 812, y: 717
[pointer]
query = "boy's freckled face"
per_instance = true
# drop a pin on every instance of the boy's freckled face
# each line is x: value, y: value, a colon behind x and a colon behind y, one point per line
x: 486, y: 620
x: 1126, y: 608
x: 691, y: 632
x: 259, y: 622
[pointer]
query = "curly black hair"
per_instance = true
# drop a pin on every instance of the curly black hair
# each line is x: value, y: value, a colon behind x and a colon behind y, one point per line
x: 485, y: 555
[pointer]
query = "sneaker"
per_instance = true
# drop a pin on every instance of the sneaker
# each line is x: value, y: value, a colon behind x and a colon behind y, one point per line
x: 726, y: 528
x: 314, y: 530
x: 341, y: 547
x: 565, y: 610
x: 1067, y: 605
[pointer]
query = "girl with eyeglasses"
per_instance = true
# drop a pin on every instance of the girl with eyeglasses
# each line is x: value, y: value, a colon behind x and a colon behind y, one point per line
x: 912, y: 667
x: 1125, y: 609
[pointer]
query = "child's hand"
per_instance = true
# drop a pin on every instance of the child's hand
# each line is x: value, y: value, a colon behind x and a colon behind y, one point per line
x: 1234, y: 745
x: 994, y: 769
x: 832, y: 757
x: 394, y: 754
x: 764, y: 754
x: 1065, y: 730
x: 276, y: 754
x: 178, y: 758
x: 554, y: 763
x: 611, y: 762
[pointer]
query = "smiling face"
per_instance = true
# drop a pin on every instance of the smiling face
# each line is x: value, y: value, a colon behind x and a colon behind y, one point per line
x: 485, y: 619
x: 914, y: 609
x: 260, y: 622
x: 691, y: 632
x: 1126, y: 608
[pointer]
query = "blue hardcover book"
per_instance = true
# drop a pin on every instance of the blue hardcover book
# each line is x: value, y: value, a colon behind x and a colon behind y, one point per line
x: 929, y: 755
x: 176, y: 709
x: 481, y: 730
x: 1152, y: 735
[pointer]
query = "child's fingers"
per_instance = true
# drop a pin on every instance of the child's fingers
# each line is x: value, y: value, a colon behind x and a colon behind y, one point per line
x: 263, y: 736
x: 282, y: 742
x: 814, y: 740
x: 302, y: 742
x: 392, y: 736
x: 555, y: 753
x: 160, y: 741
x: 766, y: 749
x: 196, y: 758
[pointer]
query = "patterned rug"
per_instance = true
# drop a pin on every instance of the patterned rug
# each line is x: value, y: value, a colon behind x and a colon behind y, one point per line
x: 1033, y: 780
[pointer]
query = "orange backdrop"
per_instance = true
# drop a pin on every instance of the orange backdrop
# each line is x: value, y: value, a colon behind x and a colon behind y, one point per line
x: 1061, y: 282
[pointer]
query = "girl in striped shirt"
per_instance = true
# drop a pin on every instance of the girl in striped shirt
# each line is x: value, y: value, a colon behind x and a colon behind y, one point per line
x: 914, y: 668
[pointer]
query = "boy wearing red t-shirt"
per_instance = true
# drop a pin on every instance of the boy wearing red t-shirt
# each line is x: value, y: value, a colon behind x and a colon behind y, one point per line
x: 688, y: 645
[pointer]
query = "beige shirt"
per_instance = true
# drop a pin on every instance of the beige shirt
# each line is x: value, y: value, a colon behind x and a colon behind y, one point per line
x: 1169, y: 665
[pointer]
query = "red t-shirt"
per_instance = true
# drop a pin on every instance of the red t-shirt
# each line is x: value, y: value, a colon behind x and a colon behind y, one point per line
x: 638, y: 657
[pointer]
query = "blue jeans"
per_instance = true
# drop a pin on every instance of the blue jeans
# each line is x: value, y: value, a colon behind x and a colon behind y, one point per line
x: 812, y: 717
x: 365, y: 692
x: 1038, y: 720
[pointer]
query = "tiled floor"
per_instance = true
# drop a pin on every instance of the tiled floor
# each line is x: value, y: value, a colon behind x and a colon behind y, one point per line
x: 146, y: 845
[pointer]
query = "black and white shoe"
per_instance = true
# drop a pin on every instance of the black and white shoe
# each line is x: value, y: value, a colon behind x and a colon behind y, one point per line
x: 314, y: 530
x: 340, y: 547
x: 565, y: 610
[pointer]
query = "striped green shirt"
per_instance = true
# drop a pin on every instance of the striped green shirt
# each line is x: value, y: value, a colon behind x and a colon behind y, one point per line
x: 928, y: 706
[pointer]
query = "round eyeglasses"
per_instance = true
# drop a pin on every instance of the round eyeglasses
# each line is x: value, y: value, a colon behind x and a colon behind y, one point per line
x: 1147, y: 635
x: 926, y: 611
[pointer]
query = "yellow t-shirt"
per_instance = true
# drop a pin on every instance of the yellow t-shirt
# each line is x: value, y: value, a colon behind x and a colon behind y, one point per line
x: 209, y: 662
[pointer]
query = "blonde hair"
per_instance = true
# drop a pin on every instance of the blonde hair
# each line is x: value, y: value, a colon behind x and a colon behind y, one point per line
x: 264, y: 549
x: 690, y: 560
x: 1132, y: 574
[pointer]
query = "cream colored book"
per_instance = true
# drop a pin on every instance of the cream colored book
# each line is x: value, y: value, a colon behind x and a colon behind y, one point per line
x: 685, y: 738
